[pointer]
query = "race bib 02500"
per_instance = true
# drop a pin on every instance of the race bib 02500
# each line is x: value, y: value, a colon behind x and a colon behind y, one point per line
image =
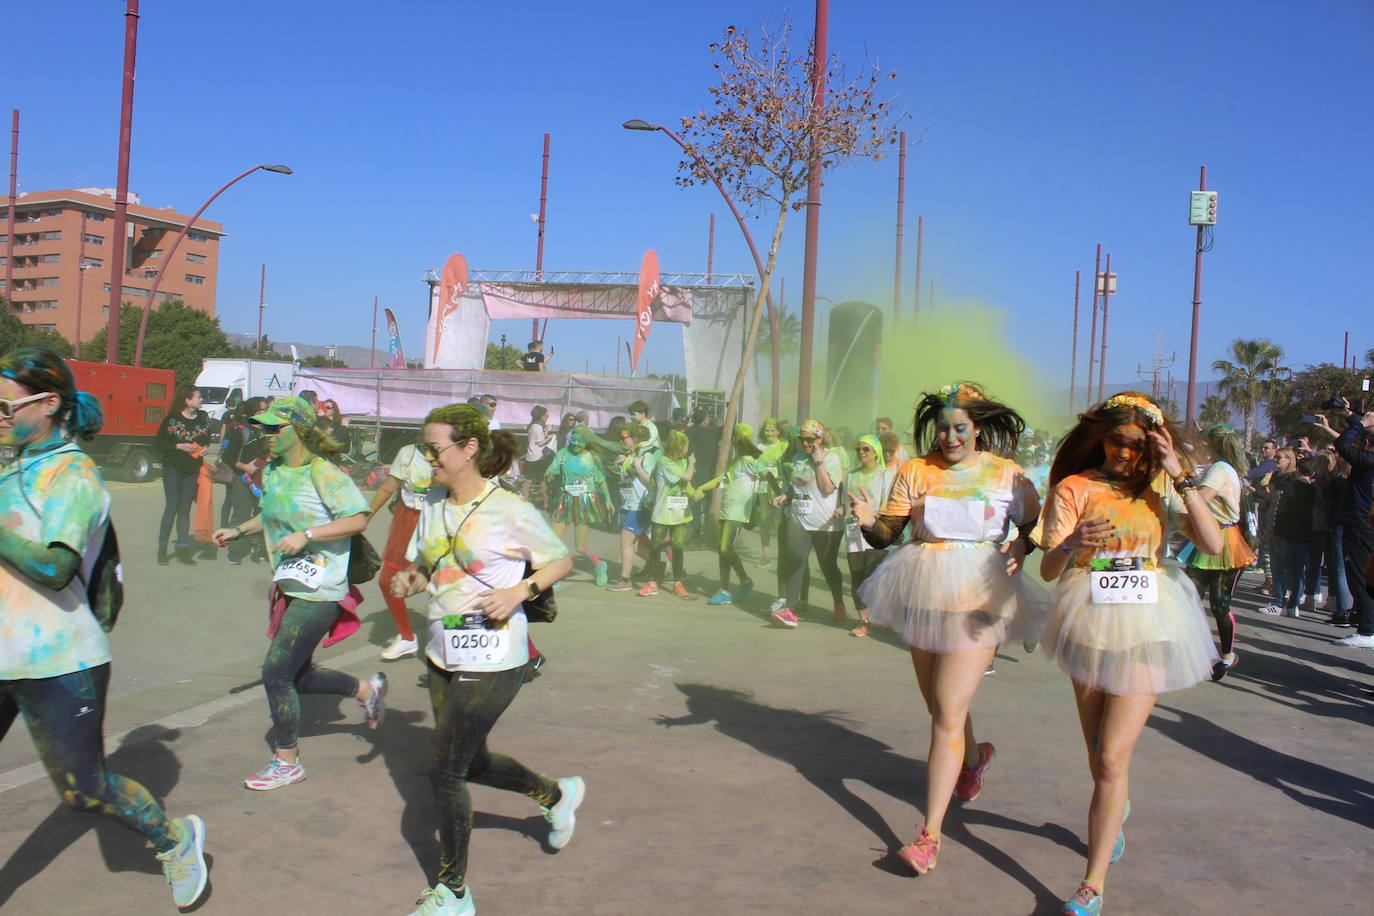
x: 469, y: 644
x: 1124, y: 580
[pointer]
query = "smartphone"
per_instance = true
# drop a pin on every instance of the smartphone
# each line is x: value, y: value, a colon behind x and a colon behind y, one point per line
x: 1309, y: 418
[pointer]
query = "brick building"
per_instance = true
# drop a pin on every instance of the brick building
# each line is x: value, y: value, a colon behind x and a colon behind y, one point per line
x: 61, y: 256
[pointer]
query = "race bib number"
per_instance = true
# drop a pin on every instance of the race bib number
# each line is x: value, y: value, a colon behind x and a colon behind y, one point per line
x: 576, y: 489
x: 629, y: 496
x: 677, y: 503
x: 1124, y: 580
x: 853, y: 537
x: 955, y: 519
x: 469, y: 644
x: 300, y: 569
x: 801, y: 507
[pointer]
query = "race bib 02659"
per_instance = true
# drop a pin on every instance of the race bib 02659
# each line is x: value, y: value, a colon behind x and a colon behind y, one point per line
x: 300, y: 569
x: 1124, y: 580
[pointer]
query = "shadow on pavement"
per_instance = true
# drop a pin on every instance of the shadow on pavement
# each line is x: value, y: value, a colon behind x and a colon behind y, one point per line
x: 826, y: 751
x: 142, y: 756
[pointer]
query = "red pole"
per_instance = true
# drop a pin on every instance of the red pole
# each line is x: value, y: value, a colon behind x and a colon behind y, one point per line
x: 920, y: 238
x: 121, y: 201
x: 14, y: 199
x: 813, y: 216
x: 80, y: 282
x: 262, y: 307
x: 1197, y: 313
x: 1073, y: 359
x: 1092, y: 337
x: 543, y: 213
x: 372, y: 350
x: 901, y: 201
x: 711, y: 248
x: 1106, y: 299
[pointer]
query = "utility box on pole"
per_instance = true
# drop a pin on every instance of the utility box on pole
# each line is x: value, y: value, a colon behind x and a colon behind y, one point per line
x: 1202, y: 209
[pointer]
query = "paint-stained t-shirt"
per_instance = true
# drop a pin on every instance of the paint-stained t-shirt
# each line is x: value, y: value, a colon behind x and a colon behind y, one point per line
x: 53, y: 498
x: 980, y: 499
x: 1223, y: 479
x: 671, y: 503
x: 292, y: 500
x: 738, y: 486
x: 415, y: 473
x: 808, y: 507
x: 1141, y: 525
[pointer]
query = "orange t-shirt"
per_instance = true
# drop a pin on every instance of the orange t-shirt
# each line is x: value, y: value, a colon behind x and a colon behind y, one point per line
x: 998, y: 483
x: 1141, y: 524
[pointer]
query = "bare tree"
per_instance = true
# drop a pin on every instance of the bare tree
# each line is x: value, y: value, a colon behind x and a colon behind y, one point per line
x: 762, y: 132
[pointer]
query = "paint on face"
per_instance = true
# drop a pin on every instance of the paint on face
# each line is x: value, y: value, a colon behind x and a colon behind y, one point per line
x: 867, y: 460
x: 30, y: 424
x: 956, y: 436
x: 281, y: 439
x: 575, y: 443
x: 1124, y: 447
x: 771, y: 433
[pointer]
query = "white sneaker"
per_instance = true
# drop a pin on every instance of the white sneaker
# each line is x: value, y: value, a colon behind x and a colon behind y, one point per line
x: 1355, y: 641
x: 1273, y: 610
x: 440, y: 901
x: 1291, y: 612
x: 276, y: 774
x: 562, y: 817
x: 778, y: 605
x: 400, y: 648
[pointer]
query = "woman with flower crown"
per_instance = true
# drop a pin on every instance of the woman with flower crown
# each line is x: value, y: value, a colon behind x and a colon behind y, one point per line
x: 954, y: 593
x: 1125, y: 623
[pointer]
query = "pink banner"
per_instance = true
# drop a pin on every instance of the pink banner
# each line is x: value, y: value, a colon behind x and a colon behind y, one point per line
x: 644, y: 316
x: 513, y: 300
x: 396, y: 354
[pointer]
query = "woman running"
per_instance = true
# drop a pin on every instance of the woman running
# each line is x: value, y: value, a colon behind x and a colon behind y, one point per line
x: 636, y: 476
x: 811, y: 493
x: 581, y: 498
x: 672, y: 512
x: 411, y: 477
x: 873, y: 481
x: 1125, y: 623
x: 954, y: 593
x: 54, y: 655
x: 741, y: 482
x: 310, y: 512
x: 180, y: 445
x: 1216, y: 575
x: 480, y: 551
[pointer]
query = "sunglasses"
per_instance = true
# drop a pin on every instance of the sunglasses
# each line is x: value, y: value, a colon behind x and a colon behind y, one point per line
x: 429, y: 450
x: 7, y: 406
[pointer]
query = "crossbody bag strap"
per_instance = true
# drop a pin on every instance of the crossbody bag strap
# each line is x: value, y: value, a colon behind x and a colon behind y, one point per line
x: 452, y: 537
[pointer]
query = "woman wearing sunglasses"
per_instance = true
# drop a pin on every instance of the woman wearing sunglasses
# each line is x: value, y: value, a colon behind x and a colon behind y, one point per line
x: 480, y: 551
x: 811, y: 483
x: 310, y: 510
x: 873, y: 481
x: 54, y: 656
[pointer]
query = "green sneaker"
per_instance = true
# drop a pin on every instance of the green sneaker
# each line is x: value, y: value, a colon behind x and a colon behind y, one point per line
x: 562, y: 817
x: 600, y: 573
x: 440, y: 901
x: 184, y: 865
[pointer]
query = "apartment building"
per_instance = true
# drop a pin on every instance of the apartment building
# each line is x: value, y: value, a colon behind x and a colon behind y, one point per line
x: 59, y: 258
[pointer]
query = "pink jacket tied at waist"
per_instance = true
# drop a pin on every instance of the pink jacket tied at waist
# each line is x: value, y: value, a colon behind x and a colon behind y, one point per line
x: 345, y: 626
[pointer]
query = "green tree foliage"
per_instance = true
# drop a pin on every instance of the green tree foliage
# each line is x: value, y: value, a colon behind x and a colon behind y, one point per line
x: 1214, y: 410
x: 1304, y: 391
x: 323, y: 362
x: 1250, y: 377
x: 502, y: 356
x: 179, y: 338
x: 15, y: 334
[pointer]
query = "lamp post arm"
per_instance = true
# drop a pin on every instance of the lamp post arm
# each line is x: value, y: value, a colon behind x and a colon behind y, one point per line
x: 167, y: 259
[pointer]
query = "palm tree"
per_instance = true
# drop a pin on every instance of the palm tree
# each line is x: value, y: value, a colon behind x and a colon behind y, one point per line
x: 1250, y: 377
x: 1214, y: 410
x: 789, y: 335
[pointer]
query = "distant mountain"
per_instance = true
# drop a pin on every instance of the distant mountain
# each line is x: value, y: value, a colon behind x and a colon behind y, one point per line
x: 353, y: 357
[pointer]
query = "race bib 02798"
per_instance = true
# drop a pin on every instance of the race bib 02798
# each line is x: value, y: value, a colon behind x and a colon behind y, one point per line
x: 1123, y: 580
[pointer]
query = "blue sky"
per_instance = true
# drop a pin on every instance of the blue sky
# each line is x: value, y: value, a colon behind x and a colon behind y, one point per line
x: 1044, y: 128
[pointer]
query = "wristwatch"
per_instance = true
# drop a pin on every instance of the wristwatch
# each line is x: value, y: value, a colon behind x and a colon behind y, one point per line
x: 308, y: 535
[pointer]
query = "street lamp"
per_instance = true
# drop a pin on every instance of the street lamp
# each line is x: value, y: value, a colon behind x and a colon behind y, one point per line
x: 637, y: 124
x: 167, y: 257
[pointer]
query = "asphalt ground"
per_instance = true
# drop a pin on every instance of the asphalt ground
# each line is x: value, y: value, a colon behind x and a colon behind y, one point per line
x: 732, y: 766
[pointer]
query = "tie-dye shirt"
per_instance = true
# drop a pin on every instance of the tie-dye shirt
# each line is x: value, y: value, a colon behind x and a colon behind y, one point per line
x: 494, y: 541
x: 415, y: 474
x: 292, y: 500
x: 671, y: 477
x: 808, y: 507
x: 738, y: 486
x: 1007, y: 498
x: 44, y: 633
x: 1141, y: 525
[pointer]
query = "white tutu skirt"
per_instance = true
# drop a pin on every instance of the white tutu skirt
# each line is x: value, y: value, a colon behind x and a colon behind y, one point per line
x: 1130, y: 648
x: 954, y: 596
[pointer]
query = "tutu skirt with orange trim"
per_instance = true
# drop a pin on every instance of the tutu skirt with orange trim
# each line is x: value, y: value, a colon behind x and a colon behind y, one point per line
x: 954, y: 596
x: 1130, y: 648
x: 1235, y: 552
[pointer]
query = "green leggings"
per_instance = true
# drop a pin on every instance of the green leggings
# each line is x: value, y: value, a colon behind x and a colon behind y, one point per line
x: 674, y: 536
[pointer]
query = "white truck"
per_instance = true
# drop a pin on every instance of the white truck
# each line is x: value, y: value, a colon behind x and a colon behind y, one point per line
x: 224, y: 383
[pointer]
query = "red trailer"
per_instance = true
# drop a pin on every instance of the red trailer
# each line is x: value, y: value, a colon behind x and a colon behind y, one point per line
x: 134, y: 400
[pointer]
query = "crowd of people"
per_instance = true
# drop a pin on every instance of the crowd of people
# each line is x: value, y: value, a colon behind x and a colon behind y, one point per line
x: 1136, y: 522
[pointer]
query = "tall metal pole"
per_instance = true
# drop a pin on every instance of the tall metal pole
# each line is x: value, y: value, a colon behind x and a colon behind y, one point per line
x: 121, y: 201
x: 920, y: 239
x: 813, y: 214
x: 1073, y: 359
x: 543, y: 214
x: 372, y: 349
x: 1345, y: 356
x: 930, y: 299
x: 80, y: 283
x: 1106, y: 300
x: 262, y: 307
x: 14, y: 199
x: 711, y: 249
x: 1191, y: 413
x: 901, y: 201
x: 1092, y: 336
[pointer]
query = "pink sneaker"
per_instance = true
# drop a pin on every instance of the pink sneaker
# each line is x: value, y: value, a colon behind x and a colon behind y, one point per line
x: 970, y: 782
x: 649, y: 590
x: 921, y: 855
x: 785, y: 617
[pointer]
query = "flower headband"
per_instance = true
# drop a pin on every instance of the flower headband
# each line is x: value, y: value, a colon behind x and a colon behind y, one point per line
x: 1142, y: 404
x: 959, y: 394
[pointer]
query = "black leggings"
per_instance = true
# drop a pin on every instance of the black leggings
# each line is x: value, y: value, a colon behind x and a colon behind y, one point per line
x: 728, y: 558
x: 674, y: 536
x: 179, y: 495
x: 465, y: 711
x: 66, y: 719
x: 289, y: 669
x: 1217, y: 586
x: 861, y: 566
x: 797, y: 544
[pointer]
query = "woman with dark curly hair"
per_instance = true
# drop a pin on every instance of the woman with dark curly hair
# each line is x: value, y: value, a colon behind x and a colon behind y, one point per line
x: 1125, y: 623
x: 954, y: 593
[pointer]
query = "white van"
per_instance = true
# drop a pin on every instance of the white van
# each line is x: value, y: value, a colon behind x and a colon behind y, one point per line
x: 226, y: 383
